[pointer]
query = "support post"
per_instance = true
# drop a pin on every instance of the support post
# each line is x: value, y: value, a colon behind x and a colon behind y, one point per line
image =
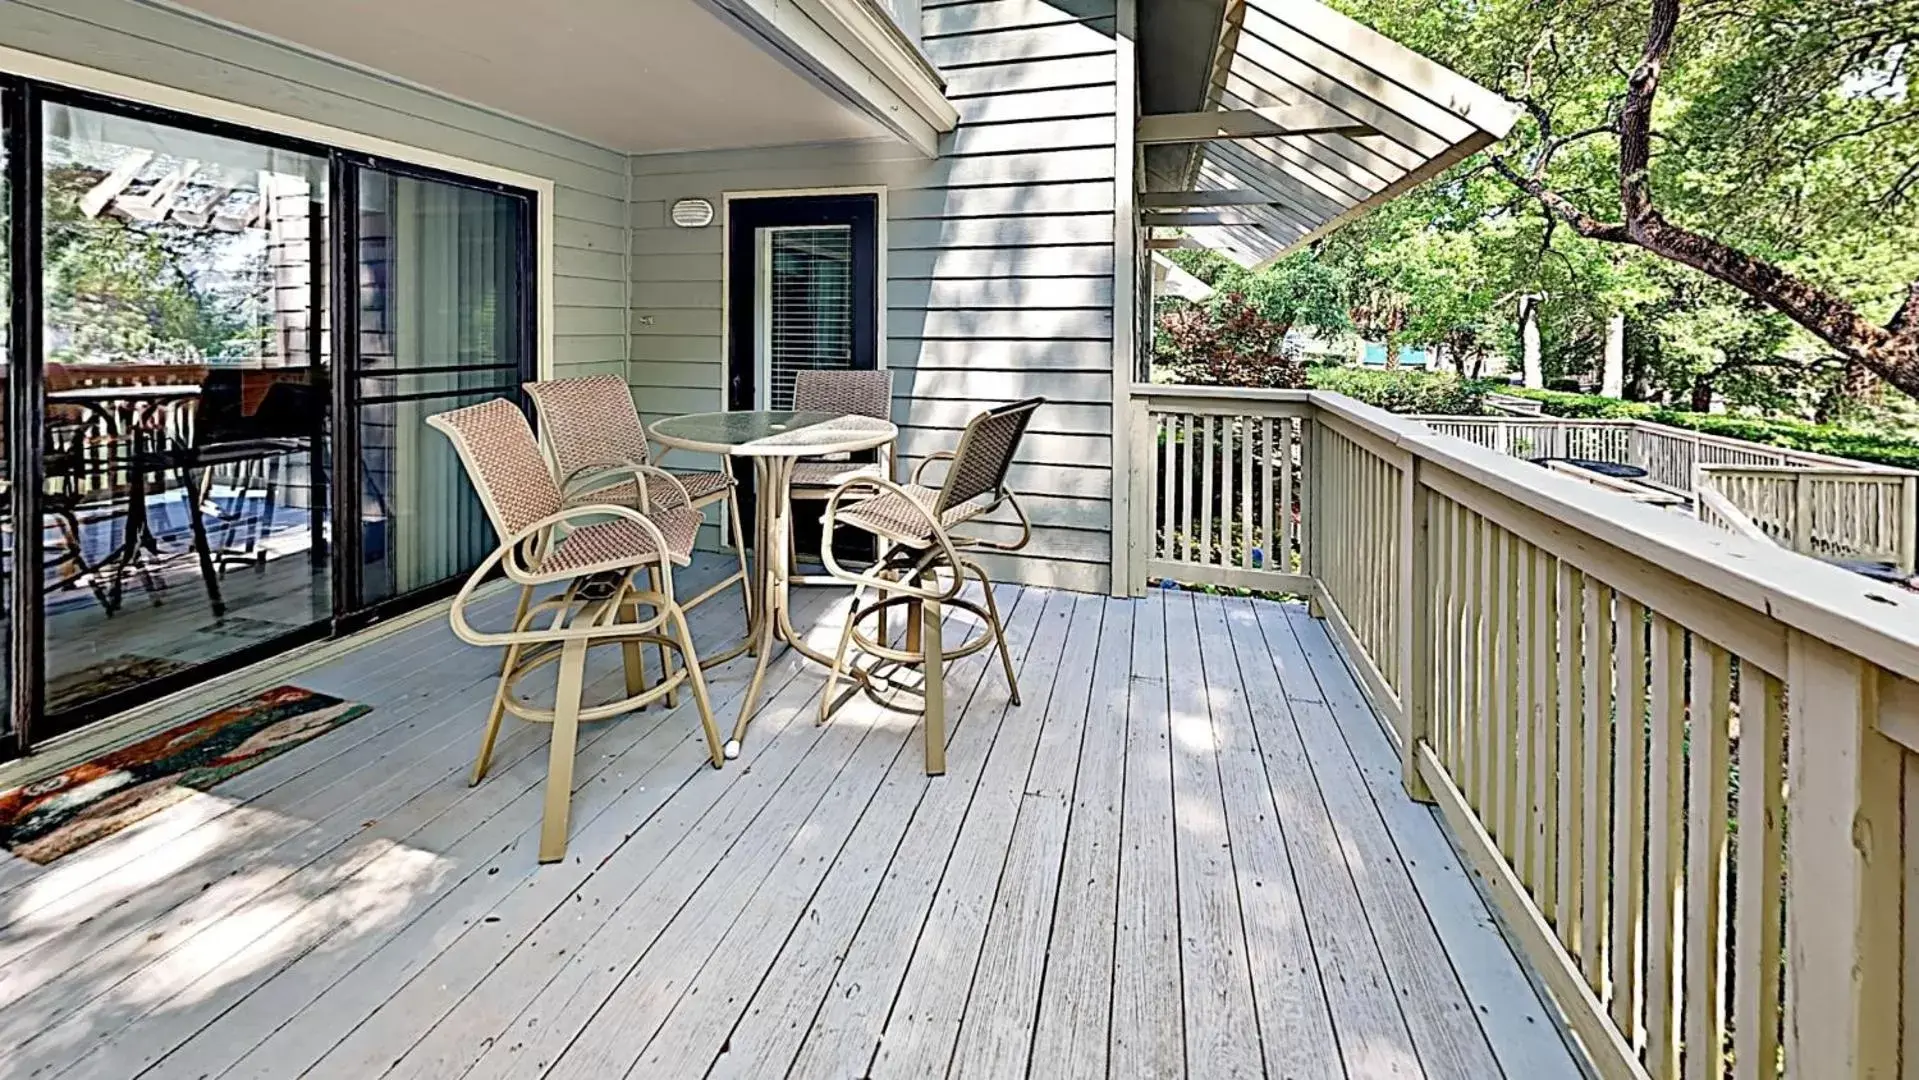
x: 1415, y: 629
x: 1843, y: 869
x: 1309, y: 536
x: 1909, y: 525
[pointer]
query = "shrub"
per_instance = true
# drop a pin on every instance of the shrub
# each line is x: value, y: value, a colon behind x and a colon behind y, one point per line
x: 1229, y: 343
x: 1403, y: 391
x: 1788, y: 434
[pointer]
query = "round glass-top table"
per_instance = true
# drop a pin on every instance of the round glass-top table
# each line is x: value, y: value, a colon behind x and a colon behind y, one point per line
x: 774, y: 440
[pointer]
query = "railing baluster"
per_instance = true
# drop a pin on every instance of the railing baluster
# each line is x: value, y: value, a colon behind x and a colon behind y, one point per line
x: 1666, y: 849
x: 1513, y: 744
x: 1469, y: 660
x: 1163, y: 527
x: 1286, y: 525
x: 1762, y: 812
x: 1188, y: 469
x: 1206, y: 492
x: 1572, y: 738
x: 1540, y: 644
x: 1708, y: 734
x: 1629, y: 811
x: 1597, y: 769
x: 1248, y: 535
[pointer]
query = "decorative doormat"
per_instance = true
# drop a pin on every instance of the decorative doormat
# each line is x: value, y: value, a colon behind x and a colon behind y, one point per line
x: 69, y: 810
x: 109, y: 676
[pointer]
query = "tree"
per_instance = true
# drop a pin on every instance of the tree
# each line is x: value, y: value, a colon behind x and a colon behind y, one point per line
x: 1297, y: 291
x: 124, y: 290
x: 1834, y: 74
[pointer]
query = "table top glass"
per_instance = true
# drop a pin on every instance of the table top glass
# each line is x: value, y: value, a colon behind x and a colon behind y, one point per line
x: 773, y: 433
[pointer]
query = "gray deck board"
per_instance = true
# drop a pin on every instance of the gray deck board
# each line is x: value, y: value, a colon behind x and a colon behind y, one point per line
x: 1186, y: 853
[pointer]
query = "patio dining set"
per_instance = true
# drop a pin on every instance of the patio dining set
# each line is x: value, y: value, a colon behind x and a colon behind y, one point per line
x: 592, y: 528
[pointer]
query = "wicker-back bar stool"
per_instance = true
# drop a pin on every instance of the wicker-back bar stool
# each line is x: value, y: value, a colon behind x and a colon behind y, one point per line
x: 856, y: 393
x: 915, y: 526
x: 588, y: 560
x: 592, y: 431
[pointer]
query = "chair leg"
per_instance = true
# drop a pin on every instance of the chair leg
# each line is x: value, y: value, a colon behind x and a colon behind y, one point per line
x: 739, y: 549
x: 666, y: 655
x: 632, y: 657
x: 932, y: 649
x: 998, y: 629
x: 839, y: 654
x: 559, y: 764
x: 715, y: 751
x: 498, y: 712
x: 201, y: 547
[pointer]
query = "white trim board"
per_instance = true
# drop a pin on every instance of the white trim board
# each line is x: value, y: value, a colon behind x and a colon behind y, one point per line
x: 111, y: 84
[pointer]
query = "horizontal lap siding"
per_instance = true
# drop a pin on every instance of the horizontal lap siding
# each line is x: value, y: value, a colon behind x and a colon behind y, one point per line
x: 179, y: 51
x: 999, y: 263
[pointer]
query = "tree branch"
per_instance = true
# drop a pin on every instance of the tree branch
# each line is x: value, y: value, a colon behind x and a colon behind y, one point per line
x: 1582, y: 223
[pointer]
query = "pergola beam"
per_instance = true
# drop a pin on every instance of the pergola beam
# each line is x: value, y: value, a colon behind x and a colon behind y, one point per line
x: 1196, y: 219
x: 1314, y: 119
x: 1187, y: 200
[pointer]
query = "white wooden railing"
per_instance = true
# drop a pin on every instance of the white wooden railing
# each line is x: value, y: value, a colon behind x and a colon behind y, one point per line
x: 1596, y: 694
x: 1827, y: 513
x: 1669, y: 455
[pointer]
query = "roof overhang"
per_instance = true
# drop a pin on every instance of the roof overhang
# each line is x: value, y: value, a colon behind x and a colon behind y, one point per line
x: 1308, y: 121
x: 651, y: 76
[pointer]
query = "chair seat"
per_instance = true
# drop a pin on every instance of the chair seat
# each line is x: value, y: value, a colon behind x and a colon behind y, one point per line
x: 891, y: 516
x: 831, y: 474
x: 703, y: 486
x: 620, y: 543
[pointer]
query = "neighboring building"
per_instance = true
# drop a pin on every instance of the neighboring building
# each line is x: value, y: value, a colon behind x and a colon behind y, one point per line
x: 701, y: 195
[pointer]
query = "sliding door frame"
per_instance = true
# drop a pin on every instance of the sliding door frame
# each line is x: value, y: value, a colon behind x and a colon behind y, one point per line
x: 25, y: 98
x: 350, y: 611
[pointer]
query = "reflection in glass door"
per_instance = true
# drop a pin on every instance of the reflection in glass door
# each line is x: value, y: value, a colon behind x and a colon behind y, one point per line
x: 219, y: 354
x: 441, y: 316
x: 183, y: 441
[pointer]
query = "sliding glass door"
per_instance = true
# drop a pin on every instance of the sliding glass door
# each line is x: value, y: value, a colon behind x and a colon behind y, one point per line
x: 221, y: 349
x: 441, y: 317
x: 183, y: 442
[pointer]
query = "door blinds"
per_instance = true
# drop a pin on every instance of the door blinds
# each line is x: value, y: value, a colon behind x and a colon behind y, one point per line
x: 807, y: 306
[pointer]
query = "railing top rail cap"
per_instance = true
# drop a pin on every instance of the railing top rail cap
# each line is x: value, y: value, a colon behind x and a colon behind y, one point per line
x: 1875, y: 621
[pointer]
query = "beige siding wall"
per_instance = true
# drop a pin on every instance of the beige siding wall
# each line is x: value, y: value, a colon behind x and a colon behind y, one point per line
x: 999, y: 262
x: 178, y: 51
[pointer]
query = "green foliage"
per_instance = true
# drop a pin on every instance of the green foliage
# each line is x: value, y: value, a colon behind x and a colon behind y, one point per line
x: 1228, y: 342
x: 1297, y: 291
x: 121, y: 290
x: 1790, y: 434
x: 1784, y: 127
x: 1402, y: 391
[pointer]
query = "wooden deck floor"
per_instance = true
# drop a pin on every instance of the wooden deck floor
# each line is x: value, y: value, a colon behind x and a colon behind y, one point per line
x: 1186, y: 853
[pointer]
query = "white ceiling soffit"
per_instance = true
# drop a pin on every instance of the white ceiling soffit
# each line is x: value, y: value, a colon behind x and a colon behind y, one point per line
x: 1299, y: 52
x: 637, y: 76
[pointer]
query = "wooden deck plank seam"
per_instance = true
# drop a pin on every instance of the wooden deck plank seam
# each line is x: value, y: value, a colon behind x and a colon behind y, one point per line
x: 891, y: 1011
x: 1015, y: 601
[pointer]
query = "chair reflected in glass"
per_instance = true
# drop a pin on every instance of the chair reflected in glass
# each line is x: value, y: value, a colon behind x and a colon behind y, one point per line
x: 915, y: 526
x: 597, y: 566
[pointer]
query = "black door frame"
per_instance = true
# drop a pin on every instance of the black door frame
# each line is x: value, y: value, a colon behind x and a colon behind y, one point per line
x: 24, y: 723
x: 746, y: 215
x: 350, y: 610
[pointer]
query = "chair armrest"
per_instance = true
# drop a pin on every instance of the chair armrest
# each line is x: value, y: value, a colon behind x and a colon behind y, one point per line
x: 506, y: 556
x: 920, y: 469
x: 638, y: 470
x: 882, y: 487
